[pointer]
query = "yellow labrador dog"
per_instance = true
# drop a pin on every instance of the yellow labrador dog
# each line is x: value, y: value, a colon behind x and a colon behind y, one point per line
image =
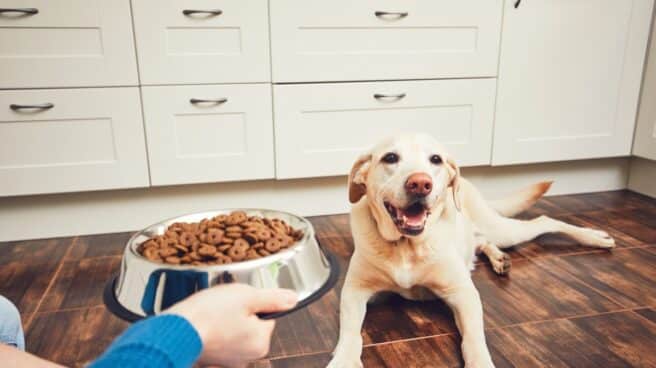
x: 417, y: 226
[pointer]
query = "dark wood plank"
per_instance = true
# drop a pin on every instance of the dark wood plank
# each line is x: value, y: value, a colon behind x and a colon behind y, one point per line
x: 609, y: 340
x: 627, y: 276
x: 26, y: 269
x: 648, y: 313
x: 100, y: 245
x: 530, y: 293
x: 80, y: 283
x: 623, y: 222
x: 618, y: 200
x: 73, y: 338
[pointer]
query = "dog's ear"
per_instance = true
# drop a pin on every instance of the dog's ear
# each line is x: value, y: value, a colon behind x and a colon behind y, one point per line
x: 454, y: 171
x: 356, y: 179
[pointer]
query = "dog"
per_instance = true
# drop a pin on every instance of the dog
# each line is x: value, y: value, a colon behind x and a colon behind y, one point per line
x: 417, y: 227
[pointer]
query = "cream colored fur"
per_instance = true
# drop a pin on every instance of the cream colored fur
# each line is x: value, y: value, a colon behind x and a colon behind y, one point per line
x: 461, y: 223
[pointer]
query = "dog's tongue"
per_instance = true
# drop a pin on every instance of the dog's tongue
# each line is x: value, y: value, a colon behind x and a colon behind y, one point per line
x: 413, y: 216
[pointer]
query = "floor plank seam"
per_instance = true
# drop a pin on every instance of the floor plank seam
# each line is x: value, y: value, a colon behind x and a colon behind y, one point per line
x: 577, y: 316
x: 51, y: 282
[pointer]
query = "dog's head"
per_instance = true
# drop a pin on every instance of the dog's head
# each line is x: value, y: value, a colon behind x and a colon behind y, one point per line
x: 404, y: 179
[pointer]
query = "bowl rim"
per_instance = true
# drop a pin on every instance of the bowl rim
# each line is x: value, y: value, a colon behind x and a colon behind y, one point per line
x: 282, y: 256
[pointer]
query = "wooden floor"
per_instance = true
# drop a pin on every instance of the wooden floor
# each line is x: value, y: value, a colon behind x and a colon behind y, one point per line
x: 562, y: 305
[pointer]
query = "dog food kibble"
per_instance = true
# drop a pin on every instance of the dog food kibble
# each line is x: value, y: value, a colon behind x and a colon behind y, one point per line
x: 219, y: 240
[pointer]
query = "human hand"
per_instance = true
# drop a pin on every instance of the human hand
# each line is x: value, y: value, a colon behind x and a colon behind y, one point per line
x: 225, y: 318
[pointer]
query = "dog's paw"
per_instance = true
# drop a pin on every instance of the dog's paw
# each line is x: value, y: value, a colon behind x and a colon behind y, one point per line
x: 596, y: 238
x: 501, y: 264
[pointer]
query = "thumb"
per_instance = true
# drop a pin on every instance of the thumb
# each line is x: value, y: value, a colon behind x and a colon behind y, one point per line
x: 272, y: 300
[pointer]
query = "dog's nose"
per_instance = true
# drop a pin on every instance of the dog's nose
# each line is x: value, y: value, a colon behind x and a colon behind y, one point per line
x: 419, y: 184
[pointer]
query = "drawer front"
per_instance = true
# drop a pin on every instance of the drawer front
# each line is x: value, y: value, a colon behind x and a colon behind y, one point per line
x: 89, y: 139
x: 321, y: 128
x: 347, y: 40
x: 69, y: 43
x: 229, y: 43
x: 230, y: 139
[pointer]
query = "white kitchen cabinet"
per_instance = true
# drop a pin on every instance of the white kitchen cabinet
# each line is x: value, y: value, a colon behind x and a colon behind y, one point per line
x: 210, y: 133
x: 321, y: 128
x: 645, y: 135
x: 71, y: 140
x: 569, y: 79
x: 73, y: 43
x: 344, y: 40
x: 202, y: 41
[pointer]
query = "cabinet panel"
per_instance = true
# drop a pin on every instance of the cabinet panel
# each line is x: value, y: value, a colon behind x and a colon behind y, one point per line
x: 569, y: 79
x: 368, y: 40
x: 226, y: 42
x: 78, y: 139
x: 69, y: 43
x: 321, y: 128
x: 226, y: 136
x: 645, y: 135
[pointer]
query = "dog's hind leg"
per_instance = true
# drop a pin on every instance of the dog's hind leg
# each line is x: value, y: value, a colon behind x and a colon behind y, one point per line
x: 506, y: 232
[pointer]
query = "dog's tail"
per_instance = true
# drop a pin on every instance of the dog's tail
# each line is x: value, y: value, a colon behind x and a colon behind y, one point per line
x: 520, y: 201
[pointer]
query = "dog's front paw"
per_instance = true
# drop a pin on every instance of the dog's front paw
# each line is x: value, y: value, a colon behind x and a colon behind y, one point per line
x: 341, y: 361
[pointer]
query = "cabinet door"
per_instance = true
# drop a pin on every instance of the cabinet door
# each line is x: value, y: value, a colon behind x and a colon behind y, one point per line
x: 202, y: 41
x: 71, y: 140
x: 70, y: 43
x: 645, y: 136
x: 321, y: 128
x: 214, y: 133
x: 346, y: 40
x: 569, y: 79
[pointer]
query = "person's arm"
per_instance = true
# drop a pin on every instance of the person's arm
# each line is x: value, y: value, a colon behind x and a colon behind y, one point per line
x: 163, y: 341
x: 217, y: 326
x: 13, y: 357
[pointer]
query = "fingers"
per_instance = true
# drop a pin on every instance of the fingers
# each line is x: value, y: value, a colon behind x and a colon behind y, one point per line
x: 271, y: 300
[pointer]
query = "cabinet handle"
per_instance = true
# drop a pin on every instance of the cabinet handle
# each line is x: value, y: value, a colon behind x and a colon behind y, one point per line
x: 24, y: 11
x: 390, y: 15
x: 383, y: 97
x: 215, y: 101
x: 212, y: 13
x: 43, y: 106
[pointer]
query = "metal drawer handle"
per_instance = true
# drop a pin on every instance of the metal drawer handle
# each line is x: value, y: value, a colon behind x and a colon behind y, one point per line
x: 390, y: 15
x: 43, y: 106
x: 215, y: 101
x: 380, y: 96
x: 25, y: 11
x: 212, y: 13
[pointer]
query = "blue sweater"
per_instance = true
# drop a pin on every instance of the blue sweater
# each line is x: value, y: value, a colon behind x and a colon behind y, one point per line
x: 162, y: 341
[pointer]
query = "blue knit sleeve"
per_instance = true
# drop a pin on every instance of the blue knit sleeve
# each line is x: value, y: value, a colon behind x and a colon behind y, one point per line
x: 162, y: 341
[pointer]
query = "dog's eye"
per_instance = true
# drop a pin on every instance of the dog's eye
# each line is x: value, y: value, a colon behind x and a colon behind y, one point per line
x: 390, y: 158
x: 436, y: 159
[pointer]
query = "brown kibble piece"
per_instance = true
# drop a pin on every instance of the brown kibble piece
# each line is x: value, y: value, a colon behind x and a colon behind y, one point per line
x: 214, y: 236
x: 173, y: 260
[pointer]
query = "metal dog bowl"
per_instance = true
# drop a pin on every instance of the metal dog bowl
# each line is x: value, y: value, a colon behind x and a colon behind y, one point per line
x: 143, y: 288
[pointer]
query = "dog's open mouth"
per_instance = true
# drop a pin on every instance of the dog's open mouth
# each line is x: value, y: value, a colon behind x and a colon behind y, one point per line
x: 411, y: 219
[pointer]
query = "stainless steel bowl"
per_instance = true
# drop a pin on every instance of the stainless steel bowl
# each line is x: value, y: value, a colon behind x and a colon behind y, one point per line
x: 143, y: 287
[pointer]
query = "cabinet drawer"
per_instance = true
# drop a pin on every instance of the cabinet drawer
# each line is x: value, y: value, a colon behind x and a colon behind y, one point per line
x: 230, y: 139
x: 321, y: 128
x: 367, y: 40
x: 89, y: 139
x: 227, y: 42
x: 70, y: 43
